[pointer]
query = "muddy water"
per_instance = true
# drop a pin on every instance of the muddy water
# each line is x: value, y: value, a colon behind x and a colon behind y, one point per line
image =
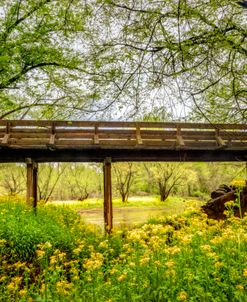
x: 125, y: 217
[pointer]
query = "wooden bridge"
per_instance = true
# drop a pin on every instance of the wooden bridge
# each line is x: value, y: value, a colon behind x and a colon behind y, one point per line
x: 81, y: 141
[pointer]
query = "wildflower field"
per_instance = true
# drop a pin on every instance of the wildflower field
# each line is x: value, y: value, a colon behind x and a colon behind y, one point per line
x: 51, y: 255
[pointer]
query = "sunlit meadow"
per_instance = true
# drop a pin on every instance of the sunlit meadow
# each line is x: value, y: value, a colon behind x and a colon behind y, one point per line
x: 51, y: 255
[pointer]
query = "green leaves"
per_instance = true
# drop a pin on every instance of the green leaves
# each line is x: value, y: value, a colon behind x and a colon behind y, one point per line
x: 132, y: 54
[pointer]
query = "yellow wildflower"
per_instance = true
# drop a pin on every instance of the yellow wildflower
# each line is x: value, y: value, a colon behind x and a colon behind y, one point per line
x: 53, y: 259
x: 63, y: 287
x: 77, y: 250
x: 61, y: 256
x: 44, y: 246
x: 173, y: 250
x: 157, y: 263
x: 40, y: 253
x: 22, y: 292
x: 217, y: 240
x: 245, y: 272
x: 144, y: 260
x: 240, y: 286
x: 11, y: 286
x: 182, y: 296
x: 206, y: 248
x: 103, y: 244
x: 2, y: 241
x: 171, y: 273
x: 19, y: 264
x: 113, y: 271
x: 122, y: 277
x: 170, y: 263
x: 219, y: 264
x: 93, y: 263
x: 3, y: 278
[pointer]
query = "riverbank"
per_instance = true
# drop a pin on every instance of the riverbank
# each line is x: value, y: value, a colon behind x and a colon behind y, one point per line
x: 134, y: 212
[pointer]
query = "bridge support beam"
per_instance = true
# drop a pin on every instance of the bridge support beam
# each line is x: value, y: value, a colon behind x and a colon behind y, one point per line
x: 108, y: 216
x: 32, y: 183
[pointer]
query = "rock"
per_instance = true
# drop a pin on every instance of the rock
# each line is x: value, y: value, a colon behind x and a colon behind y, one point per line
x: 215, y: 207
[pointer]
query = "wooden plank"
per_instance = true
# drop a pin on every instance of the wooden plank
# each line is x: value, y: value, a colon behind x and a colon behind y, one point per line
x: 23, y: 133
x: 30, y: 135
x: 124, y: 124
x: 34, y: 131
x: 108, y: 213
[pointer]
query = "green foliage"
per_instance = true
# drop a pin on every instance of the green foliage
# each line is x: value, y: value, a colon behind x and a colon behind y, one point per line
x: 24, y: 228
x: 64, y: 59
x: 68, y: 181
x: 183, y: 258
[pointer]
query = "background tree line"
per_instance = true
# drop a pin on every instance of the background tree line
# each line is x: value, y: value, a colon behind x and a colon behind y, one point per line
x: 77, y: 181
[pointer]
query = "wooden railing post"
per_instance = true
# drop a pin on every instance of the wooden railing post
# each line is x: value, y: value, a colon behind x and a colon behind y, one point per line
x: 179, y: 141
x: 32, y: 183
x: 107, y: 196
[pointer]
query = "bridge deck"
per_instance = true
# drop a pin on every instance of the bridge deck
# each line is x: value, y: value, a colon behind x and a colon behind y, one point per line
x: 45, y: 141
x: 122, y: 141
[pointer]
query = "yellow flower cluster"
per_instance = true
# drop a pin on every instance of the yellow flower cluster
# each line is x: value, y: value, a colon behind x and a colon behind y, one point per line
x: 238, y: 183
x: 94, y: 262
x: 63, y: 287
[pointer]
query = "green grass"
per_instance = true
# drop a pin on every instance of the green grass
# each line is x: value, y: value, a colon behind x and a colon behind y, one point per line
x: 134, y: 201
x: 51, y: 255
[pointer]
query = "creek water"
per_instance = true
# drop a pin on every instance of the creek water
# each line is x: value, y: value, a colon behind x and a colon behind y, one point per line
x: 127, y: 217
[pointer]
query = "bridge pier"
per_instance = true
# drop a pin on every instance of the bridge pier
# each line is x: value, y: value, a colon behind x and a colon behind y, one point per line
x: 108, y: 216
x: 32, y: 183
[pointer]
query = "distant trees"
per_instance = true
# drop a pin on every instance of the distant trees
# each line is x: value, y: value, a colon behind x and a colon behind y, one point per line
x: 124, y: 176
x: 12, y: 178
x: 78, y: 181
x: 166, y: 176
x: 82, y: 180
x: 48, y: 178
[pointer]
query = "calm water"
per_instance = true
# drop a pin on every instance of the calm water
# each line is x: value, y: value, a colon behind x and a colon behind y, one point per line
x: 127, y: 216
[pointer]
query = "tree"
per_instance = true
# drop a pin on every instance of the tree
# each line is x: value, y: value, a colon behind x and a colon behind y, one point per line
x: 49, y: 175
x: 212, y: 175
x: 42, y: 73
x: 163, y: 52
x: 13, y: 178
x: 166, y: 176
x: 82, y: 180
x: 74, y: 58
x: 124, y: 173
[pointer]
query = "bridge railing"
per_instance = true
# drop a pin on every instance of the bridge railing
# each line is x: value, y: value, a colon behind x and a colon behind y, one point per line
x: 70, y: 134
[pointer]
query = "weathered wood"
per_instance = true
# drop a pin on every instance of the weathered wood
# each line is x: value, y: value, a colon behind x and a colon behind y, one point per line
x: 155, y: 125
x: 108, y: 213
x: 219, y: 140
x: 5, y: 139
x: 32, y: 182
x: 51, y: 145
x: 86, y: 136
x: 138, y: 135
x: 96, y: 136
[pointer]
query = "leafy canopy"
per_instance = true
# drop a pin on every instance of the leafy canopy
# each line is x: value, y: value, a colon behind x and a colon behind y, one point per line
x: 75, y: 58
